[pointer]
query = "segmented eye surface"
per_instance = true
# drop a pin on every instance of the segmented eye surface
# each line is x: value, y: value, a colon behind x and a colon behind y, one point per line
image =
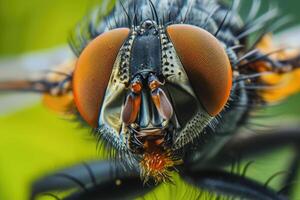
x: 206, y: 64
x: 93, y: 70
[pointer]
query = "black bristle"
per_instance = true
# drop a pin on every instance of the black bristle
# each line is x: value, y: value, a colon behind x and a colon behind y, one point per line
x: 277, y: 23
x: 129, y: 20
x: 256, y: 4
x: 222, y: 23
x: 153, y: 10
x: 51, y: 195
x: 258, y: 23
x: 248, y: 55
x: 186, y: 15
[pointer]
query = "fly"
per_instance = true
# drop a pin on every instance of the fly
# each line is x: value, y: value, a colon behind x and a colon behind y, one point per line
x: 161, y: 83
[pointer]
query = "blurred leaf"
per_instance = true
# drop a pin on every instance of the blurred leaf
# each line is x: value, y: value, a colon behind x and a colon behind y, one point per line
x: 36, y: 24
x: 34, y: 142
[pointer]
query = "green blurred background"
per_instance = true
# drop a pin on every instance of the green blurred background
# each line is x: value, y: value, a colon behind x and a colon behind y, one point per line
x: 34, y: 141
x: 35, y: 24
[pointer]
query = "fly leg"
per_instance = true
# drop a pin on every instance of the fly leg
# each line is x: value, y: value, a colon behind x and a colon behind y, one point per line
x: 226, y: 183
x: 290, y: 181
x: 55, y: 82
x: 245, y: 147
x: 55, y: 86
x: 253, y: 145
x: 91, y: 181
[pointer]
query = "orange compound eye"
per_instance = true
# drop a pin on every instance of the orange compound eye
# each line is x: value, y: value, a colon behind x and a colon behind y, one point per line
x: 93, y: 70
x: 206, y: 64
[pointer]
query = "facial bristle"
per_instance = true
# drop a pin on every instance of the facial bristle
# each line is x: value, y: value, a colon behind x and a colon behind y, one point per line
x: 157, y: 165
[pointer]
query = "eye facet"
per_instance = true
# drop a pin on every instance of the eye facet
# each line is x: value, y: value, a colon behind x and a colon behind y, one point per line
x: 93, y: 70
x: 206, y: 64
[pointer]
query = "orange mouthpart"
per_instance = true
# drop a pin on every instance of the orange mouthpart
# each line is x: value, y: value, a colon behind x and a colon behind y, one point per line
x: 157, y: 165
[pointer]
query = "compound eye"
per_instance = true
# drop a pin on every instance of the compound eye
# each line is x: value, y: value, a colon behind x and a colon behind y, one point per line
x: 93, y: 70
x: 206, y: 64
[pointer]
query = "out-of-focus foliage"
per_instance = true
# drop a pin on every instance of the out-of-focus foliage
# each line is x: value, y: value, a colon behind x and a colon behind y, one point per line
x: 35, y: 141
x: 36, y: 24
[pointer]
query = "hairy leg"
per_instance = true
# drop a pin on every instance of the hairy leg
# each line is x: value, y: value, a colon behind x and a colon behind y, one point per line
x: 229, y: 184
x: 95, y: 180
x: 290, y: 181
x: 246, y: 146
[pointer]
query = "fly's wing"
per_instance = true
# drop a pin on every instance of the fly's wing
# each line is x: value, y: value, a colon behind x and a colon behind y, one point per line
x: 285, y: 77
x: 47, y: 73
x: 277, y: 66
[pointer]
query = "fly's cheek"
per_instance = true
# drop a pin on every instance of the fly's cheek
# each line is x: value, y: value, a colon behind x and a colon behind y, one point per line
x: 93, y: 70
x: 206, y: 64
